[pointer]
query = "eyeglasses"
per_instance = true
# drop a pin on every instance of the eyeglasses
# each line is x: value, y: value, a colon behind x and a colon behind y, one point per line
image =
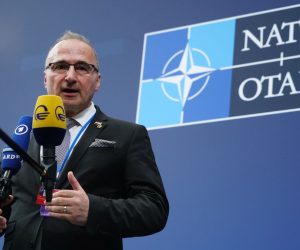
x: 81, y: 68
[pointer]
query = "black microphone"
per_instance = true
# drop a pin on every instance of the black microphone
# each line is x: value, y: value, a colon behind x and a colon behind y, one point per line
x: 49, y: 128
x: 11, y: 160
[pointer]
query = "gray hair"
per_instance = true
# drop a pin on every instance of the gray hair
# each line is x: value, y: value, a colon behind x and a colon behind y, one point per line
x: 72, y: 35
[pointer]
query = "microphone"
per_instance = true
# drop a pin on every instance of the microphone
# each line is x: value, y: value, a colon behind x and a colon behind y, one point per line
x: 49, y: 128
x: 11, y: 160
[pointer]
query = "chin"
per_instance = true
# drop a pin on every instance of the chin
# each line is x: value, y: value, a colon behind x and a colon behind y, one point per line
x: 69, y: 104
x: 72, y: 108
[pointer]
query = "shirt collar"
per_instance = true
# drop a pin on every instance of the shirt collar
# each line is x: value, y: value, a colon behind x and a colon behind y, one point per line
x: 85, y: 115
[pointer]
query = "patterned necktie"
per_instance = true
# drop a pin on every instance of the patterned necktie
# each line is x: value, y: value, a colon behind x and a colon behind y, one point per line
x: 63, y: 148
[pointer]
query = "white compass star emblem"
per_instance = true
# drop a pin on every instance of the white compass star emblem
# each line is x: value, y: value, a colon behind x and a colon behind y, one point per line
x: 186, y: 74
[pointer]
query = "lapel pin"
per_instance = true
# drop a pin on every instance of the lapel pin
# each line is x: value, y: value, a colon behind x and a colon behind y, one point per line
x: 98, y: 124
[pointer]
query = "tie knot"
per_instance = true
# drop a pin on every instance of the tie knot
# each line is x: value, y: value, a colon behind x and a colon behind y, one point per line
x: 71, y: 123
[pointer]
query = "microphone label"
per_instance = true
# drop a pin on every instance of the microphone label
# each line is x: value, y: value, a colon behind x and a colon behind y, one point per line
x: 49, y: 123
x: 41, y: 112
x: 11, y: 156
x: 60, y: 113
x: 49, y: 112
x: 21, y: 129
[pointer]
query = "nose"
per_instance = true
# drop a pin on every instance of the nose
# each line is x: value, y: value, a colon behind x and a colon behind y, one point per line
x: 71, y: 74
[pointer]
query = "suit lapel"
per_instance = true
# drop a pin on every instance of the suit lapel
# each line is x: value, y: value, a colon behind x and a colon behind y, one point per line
x: 96, y: 126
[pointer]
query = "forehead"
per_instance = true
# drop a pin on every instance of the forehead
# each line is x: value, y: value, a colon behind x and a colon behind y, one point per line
x: 71, y: 50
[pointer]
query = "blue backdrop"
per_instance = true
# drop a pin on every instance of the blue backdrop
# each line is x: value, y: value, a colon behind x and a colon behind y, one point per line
x: 231, y: 184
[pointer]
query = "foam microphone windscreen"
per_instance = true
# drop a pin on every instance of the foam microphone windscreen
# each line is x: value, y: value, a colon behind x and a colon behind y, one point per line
x: 49, y: 120
x: 10, y: 159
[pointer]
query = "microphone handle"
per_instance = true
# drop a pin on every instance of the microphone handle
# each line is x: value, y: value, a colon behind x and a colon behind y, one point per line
x: 7, y: 174
x: 50, y: 165
x: 5, y: 185
x: 48, y: 155
x: 22, y: 153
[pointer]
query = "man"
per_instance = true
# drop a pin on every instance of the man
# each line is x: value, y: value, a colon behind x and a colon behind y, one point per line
x: 109, y: 187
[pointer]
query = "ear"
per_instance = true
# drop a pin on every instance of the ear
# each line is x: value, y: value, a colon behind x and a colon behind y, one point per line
x: 98, y: 82
x: 45, y: 80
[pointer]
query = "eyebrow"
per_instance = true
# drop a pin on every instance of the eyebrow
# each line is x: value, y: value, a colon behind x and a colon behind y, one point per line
x: 64, y: 61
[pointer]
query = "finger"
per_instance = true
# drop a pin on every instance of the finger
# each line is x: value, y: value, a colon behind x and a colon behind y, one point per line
x: 3, y: 222
x: 64, y: 193
x: 59, y: 209
x: 73, y: 181
x: 59, y: 201
x: 7, y: 201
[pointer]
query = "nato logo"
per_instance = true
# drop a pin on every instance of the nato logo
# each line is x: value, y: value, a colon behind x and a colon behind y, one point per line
x: 225, y: 69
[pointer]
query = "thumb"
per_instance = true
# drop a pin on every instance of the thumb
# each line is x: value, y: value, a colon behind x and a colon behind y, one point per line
x: 73, y: 181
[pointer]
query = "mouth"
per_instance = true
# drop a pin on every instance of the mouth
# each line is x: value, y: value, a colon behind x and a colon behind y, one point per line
x: 69, y: 92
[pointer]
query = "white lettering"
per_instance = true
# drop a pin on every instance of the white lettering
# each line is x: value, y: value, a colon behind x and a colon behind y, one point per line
x: 271, y: 84
x: 259, y: 42
x: 288, y: 82
x: 258, y: 89
x: 270, y: 81
x: 265, y: 37
x: 10, y: 157
x: 274, y: 33
x: 291, y: 26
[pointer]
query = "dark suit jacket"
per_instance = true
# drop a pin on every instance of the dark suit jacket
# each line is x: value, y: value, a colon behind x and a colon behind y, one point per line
x: 122, y: 181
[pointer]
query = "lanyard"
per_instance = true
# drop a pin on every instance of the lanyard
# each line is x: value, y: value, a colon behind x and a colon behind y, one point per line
x: 72, y: 146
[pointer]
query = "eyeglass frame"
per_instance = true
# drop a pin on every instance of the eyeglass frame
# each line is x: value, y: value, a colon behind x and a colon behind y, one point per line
x: 73, y: 64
